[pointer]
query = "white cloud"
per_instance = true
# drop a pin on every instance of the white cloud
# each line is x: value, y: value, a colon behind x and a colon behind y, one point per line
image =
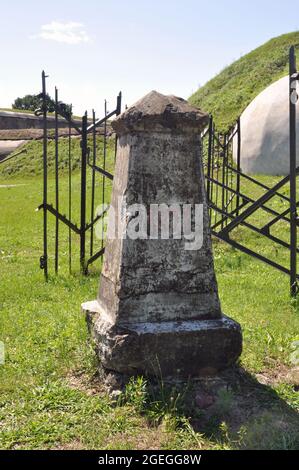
x: 69, y: 32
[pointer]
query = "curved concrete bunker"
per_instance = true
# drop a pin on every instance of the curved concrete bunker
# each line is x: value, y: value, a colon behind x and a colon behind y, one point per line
x: 158, y: 310
x: 265, y: 147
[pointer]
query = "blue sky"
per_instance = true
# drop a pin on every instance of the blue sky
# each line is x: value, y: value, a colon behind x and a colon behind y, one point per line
x: 92, y: 49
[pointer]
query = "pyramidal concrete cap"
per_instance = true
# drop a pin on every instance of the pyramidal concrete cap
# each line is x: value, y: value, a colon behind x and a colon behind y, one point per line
x: 161, y: 112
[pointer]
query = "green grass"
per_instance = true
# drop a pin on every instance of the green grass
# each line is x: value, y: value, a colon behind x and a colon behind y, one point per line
x: 30, y: 162
x: 49, y: 394
x: 229, y: 93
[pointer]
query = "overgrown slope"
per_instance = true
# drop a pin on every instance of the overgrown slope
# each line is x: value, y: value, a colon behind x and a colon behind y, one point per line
x: 30, y: 161
x: 227, y: 95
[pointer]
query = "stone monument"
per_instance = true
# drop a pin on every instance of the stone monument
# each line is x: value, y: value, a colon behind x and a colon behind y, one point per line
x: 158, y: 311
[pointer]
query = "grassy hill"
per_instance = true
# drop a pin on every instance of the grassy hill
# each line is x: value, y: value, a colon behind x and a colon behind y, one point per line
x: 228, y: 94
x: 30, y: 161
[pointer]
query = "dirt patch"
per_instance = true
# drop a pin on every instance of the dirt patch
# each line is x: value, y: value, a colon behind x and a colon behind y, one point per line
x: 280, y: 374
x: 73, y: 445
x: 84, y: 383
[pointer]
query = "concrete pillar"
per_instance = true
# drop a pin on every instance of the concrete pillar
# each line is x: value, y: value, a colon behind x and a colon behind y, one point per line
x: 158, y: 310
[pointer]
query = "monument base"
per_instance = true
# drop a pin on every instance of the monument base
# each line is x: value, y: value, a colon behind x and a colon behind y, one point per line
x: 169, y: 349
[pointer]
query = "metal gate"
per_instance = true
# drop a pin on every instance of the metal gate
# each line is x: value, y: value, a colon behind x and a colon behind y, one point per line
x: 232, y: 207
x: 75, y: 192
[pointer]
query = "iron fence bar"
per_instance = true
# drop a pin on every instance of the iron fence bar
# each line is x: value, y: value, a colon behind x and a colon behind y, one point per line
x: 102, y: 171
x: 252, y: 227
x: 223, y: 186
x: 238, y: 185
x: 61, y: 217
x: 267, y: 226
x: 231, y: 199
x: 217, y: 138
x: 210, y: 130
x: 56, y: 184
x: 226, y: 156
x: 118, y: 104
x: 249, y: 252
x: 70, y: 194
x: 95, y: 257
x: 212, y: 161
x: 83, y: 193
x: 206, y: 130
x: 229, y: 204
x: 293, y: 176
x: 44, y: 258
x: 97, y: 218
x: 229, y: 214
x: 249, y: 199
x: 101, y: 121
x: 94, y: 143
x: 104, y: 167
x: 217, y: 176
x: 232, y: 134
x: 258, y: 183
x: 259, y: 203
x: 68, y: 119
x: 116, y: 112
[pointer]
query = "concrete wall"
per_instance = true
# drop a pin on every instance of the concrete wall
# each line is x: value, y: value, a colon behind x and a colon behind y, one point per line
x: 9, y: 146
x: 15, y: 120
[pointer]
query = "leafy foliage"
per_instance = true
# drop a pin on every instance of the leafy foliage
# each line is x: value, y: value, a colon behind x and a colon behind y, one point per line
x: 33, y: 102
x: 27, y: 102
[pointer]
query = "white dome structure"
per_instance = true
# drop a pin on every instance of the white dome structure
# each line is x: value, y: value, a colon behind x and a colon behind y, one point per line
x: 265, y: 132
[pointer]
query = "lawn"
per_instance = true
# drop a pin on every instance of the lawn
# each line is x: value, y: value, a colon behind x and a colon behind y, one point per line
x: 51, y: 395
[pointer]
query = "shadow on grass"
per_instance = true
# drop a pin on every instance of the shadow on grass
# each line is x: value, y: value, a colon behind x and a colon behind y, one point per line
x: 232, y: 410
x: 244, y: 413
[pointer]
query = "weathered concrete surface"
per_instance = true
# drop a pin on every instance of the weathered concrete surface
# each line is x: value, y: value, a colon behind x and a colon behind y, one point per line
x: 158, y: 306
x: 17, y: 120
x: 176, y: 349
x: 265, y: 132
x: 9, y: 146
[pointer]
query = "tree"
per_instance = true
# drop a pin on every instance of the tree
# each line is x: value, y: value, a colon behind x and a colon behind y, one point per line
x: 33, y: 102
x: 28, y: 103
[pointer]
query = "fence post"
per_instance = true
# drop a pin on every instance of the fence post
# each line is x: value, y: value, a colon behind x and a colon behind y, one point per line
x: 83, y: 193
x: 238, y: 164
x: 56, y: 182
x: 293, y: 204
x: 211, y: 136
x: 44, y: 259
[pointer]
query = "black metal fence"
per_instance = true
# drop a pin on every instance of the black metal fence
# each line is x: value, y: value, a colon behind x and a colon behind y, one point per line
x: 89, y: 144
x: 222, y: 175
x: 254, y: 206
